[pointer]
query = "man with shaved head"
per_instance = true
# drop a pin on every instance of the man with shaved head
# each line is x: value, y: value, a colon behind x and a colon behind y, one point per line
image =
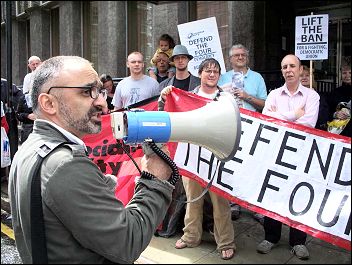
x: 137, y: 86
x: 296, y: 103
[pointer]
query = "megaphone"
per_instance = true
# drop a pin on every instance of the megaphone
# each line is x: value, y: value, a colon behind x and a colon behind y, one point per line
x: 215, y: 126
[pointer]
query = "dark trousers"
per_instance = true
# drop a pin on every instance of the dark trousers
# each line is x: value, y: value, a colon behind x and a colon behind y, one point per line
x: 272, y: 230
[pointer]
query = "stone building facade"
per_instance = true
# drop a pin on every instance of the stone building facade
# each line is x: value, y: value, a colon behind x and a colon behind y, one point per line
x: 105, y: 32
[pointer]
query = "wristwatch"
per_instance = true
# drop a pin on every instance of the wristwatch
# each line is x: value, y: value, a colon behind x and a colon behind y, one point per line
x: 248, y: 99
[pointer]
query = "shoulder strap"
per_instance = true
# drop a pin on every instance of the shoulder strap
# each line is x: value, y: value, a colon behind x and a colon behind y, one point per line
x: 38, y: 239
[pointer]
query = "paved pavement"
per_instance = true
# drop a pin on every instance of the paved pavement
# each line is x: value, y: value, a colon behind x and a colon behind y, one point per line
x: 248, y: 233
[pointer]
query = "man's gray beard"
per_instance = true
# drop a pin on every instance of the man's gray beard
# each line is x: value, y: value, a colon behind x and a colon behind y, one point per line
x: 84, y: 125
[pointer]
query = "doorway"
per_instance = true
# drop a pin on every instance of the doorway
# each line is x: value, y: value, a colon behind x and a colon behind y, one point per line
x: 328, y: 71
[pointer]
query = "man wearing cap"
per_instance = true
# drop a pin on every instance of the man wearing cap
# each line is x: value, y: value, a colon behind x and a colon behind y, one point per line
x: 183, y: 79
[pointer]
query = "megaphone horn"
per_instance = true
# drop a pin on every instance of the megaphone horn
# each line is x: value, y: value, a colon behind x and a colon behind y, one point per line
x: 215, y: 126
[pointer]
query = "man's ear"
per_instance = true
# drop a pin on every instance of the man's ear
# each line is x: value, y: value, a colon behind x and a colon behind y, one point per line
x: 48, y: 103
x: 301, y: 70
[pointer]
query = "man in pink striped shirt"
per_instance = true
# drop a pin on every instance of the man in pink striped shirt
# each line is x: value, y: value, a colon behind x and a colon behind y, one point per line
x: 295, y: 103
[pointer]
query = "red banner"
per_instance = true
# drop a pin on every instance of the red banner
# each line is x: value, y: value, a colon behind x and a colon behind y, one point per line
x: 109, y: 155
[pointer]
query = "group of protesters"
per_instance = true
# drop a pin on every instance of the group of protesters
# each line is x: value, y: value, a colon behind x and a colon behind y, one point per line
x: 82, y: 219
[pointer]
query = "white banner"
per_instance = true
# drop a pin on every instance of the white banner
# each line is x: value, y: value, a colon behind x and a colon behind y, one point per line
x: 202, y: 40
x: 305, y: 179
x: 312, y: 37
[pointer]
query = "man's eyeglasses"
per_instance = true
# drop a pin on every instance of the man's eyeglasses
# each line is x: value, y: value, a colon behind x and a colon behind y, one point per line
x: 215, y: 72
x: 93, y: 91
x: 239, y: 55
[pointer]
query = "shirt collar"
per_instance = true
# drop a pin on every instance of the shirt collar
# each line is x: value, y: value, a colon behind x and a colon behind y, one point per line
x: 69, y: 135
x: 245, y: 76
x: 301, y: 90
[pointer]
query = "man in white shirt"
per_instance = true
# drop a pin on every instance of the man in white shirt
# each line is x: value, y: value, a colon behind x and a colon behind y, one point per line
x: 135, y: 87
x: 33, y: 63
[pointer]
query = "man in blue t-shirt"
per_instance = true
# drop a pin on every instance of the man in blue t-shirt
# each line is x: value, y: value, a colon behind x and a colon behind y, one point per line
x: 254, y: 91
x: 251, y: 95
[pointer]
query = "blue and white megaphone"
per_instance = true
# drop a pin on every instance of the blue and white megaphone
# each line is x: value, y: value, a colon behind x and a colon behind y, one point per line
x: 215, y: 126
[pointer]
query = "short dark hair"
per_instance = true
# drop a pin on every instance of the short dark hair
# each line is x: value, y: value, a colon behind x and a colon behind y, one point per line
x: 169, y: 39
x: 104, y: 78
x: 207, y: 63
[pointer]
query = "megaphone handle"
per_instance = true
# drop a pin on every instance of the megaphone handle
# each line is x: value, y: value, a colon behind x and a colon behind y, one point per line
x: 175, y: 174
x: 147, y: 150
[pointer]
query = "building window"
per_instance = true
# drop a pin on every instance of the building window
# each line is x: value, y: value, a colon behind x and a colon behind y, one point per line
x: 3, y: 13
x: 54, y: 32
x: 90, y: 32
x: 140, y: 21
x: 28, y: 38
x: 219, y: 10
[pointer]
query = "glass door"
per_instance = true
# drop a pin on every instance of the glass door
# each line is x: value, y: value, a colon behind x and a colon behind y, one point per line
x: 327, y: 72
x: 343, y: 45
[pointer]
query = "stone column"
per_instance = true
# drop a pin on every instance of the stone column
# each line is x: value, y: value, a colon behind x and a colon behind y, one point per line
x: 165, y: 22
x: 19, y: 52
x: 112, y: 34
x: 40, y: 33
x: 256, y: 25
x: 182, y: 12
x: 70, y: 28
x: 243, y: 26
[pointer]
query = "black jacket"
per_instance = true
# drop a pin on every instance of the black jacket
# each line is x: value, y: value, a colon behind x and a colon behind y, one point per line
x: 340, y: 94
x: 23, y: 111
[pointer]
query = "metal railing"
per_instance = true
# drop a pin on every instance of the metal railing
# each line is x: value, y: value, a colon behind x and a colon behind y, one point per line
x: 325, y: 86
